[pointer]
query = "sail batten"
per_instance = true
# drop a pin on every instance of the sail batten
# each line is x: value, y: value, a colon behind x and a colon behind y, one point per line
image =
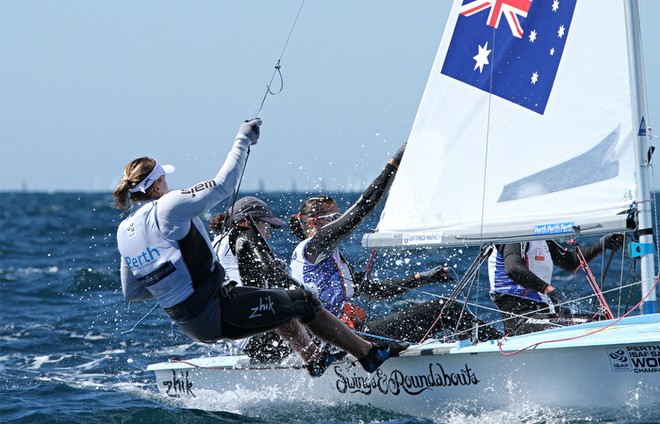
x: 486, y: 162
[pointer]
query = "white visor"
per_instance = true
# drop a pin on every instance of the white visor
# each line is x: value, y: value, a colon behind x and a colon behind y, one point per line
x: 155, y: 174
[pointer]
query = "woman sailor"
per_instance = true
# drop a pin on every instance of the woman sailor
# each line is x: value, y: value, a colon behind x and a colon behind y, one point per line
x: 167, y: 256
x: 520, y: 277
x: 317, y: 262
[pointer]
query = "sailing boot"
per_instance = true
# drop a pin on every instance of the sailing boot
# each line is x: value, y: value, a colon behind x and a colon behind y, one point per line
x: 381, y: 352
x: 323, y: 359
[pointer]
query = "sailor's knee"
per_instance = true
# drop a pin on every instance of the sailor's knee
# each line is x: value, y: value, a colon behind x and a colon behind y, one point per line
x: 306, y: 305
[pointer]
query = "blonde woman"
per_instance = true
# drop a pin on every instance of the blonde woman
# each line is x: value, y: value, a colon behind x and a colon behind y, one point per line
x: 166, y: 255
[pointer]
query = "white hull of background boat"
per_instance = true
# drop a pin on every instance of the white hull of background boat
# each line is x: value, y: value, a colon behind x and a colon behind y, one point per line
x: 604, y: 365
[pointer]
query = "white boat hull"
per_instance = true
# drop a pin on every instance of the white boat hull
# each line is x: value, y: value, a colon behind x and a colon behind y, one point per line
x: 599, y: 365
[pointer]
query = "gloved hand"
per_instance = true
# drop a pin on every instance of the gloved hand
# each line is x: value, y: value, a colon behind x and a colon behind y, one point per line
x: 398, y: 155
x: 282, y: 265
x: 560, y: 302
x: 435, y: 275
x: 613, y: 241
x: 250, y: 129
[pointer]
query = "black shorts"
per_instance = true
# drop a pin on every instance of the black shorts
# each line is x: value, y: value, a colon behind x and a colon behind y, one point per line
x: 249, y: 310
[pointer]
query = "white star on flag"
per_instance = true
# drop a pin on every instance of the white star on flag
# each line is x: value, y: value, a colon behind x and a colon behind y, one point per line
x: 555, y: 5
x: 481, y: 58
x: 535, y: 77
x: 532, y: 36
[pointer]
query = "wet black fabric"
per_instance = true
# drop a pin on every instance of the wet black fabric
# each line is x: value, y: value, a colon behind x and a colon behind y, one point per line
x: 258, y: 269
x: 414, y: 322
x: 267, y: 347
x: 516, y: 314
x: 203, y: 294
x: 256, y: 265
x: 522, y: 316
x: 331, y: 235
x: 248, y: 310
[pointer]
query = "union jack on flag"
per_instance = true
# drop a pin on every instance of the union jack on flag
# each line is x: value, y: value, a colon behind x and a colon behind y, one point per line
x: 517, y: 61
x: 510, y: 9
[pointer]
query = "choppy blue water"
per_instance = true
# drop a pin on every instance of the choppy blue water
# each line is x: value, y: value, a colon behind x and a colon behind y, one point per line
x: 66, y: 354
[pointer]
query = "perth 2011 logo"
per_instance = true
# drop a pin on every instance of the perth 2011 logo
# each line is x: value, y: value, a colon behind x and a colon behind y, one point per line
x: 397, y: 382
x: 637, y: 359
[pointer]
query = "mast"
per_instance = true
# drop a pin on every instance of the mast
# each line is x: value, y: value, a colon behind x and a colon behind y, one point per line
x: 642, y: 159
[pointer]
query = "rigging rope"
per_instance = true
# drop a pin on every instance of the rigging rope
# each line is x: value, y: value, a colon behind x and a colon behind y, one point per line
x: 592, y: 280
x: 141, y: 319
x: 589, y: 333
x: 277, y: 71
x: 278, y: 67
x: 468, y: 277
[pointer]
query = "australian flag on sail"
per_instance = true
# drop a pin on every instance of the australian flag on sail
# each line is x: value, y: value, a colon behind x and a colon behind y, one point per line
x: 510, y: 48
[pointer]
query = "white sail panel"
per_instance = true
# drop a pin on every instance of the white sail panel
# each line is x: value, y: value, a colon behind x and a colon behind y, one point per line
x: 480, y: 167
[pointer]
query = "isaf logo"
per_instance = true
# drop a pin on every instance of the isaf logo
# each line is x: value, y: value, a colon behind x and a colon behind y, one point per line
x: 619, y: 360
x: 619, y: 356
x: 130, y: 229
x: 636, y: 359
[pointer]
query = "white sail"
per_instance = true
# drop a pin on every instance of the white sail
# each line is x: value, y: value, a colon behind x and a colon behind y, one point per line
x: 527, y: 147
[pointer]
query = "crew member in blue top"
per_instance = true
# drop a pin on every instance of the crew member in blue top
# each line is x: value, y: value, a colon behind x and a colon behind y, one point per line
x: 520, y: 281
x: 166, y: 255
x: 318, y: 262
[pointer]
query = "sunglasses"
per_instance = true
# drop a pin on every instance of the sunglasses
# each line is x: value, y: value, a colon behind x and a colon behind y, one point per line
x: 329, y: 217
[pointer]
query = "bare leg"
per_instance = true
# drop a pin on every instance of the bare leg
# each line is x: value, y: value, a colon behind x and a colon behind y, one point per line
x: 330, y: 329
x: 327, y: 327
x: 294, y: 333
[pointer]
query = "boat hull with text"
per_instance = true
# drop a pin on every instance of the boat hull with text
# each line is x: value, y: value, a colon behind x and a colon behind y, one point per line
x: 604, y: 365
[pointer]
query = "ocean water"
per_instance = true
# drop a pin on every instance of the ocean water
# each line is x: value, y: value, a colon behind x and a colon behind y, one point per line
x: 72, y: 350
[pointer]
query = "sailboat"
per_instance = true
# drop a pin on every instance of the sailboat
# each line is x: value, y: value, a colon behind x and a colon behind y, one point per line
x: 532, y: 126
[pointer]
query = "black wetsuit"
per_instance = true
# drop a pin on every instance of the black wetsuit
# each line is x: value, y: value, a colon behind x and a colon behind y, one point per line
x: 258, y: 268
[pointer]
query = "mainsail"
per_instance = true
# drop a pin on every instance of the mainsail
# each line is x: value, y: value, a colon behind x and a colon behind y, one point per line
x: 528, y: 128
x: 524, y: 129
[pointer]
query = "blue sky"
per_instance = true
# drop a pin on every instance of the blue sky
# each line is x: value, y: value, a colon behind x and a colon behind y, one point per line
x: 86, y: 86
